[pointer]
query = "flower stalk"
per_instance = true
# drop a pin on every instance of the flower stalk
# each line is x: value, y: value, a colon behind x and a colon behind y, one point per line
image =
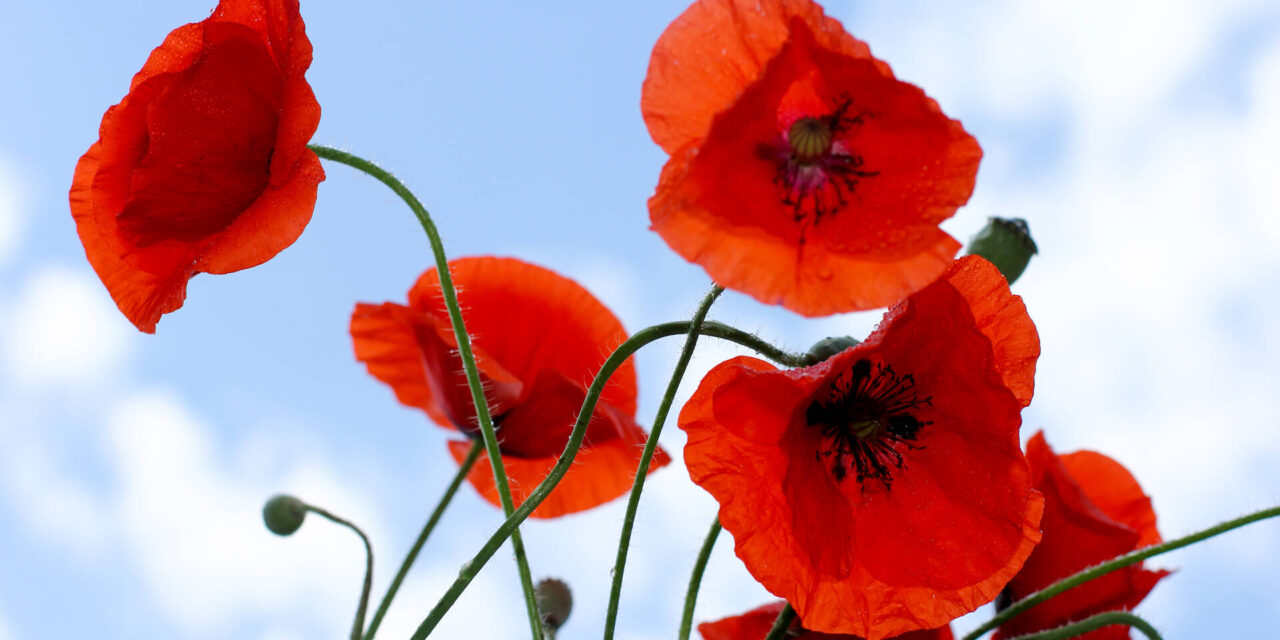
x: 474, y: 454
x: 540, y: 493
x: 1125, y: 560
x: 633, y: 502
x: 695, y: 580
x: 484, y: 420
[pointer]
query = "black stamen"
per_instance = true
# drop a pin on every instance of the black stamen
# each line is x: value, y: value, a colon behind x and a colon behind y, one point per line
x: 866, y: 421
x: 816, y: 175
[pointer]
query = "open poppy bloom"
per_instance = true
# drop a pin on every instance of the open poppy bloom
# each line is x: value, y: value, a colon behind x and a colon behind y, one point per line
x: 203, y: 166
x: 1094, y: 511
x: 538, y: 339
x: 755, y: 624
x: 883, y: 490
x: 802, y: 172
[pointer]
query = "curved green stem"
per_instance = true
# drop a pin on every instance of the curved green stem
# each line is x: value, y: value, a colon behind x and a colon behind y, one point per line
x: 1125, y: 560
x: 472, y: 455
x: 782, y: 623
x: 637, y: 485
x: 358, y: 626
x: 464, y: 352
x: 1077, y: 629
x: 615, y: 360
x: 695, y: 580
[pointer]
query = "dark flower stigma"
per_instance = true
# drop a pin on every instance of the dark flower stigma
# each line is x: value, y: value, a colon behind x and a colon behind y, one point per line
x: 866, y: 419
x: 815, y: 169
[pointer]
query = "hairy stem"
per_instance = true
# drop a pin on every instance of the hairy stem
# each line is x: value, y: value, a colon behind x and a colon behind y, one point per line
x: 782, y: 623
x: 615, y: 360
x: 637, y: 486
x: 1077, y: 629
x: 483, y: 418
x: 1133, y: 557
x: 695, y: 580
x: 472, y: 455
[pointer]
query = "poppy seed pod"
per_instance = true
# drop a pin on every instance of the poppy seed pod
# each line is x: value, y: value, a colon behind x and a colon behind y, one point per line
x: 555, y: 602
x: 284, y: 514
x: 1006, y: 243
x: 827, y: 347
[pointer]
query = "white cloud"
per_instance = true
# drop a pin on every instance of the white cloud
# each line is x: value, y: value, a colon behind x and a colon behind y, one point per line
x: 53, y: 503
x: 5, y: 632
x: 12, y: 210
x: 63, y: 330
x: 193, y: 525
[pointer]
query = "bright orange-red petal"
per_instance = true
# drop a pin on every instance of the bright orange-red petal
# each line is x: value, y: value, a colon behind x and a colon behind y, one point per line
x: 410, y: 352
x: 1079, y: 532
x: 599, y: 474
x: 755, y: 624
x: 723, y: 200
x: 1115, y: 491
x: 862, y: 558
x: 531, y: 319
x: 713, y: 51
x: 203, y: 166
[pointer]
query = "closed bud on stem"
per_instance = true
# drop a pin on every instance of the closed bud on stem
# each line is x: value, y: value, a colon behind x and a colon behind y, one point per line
x: 284, y: 514
x: 1007, y: 244
x: 827, y: 347
x: 555, y: 601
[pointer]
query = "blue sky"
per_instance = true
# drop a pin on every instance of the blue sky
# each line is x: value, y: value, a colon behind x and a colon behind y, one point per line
x: 1138, y: 138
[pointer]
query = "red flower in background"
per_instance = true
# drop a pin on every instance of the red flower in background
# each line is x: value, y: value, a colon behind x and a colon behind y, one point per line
x: 802, y: 172
x: 1094, y: 511
x: 883, y: 490
x: 755, y: 624
x: 538, y: 339
x: 203, y: 166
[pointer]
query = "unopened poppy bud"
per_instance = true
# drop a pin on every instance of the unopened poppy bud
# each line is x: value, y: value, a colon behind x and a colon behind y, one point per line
x: 284, y: 514
x: 827, y: 347
x: 555, y: 601
x: 1007, y: 244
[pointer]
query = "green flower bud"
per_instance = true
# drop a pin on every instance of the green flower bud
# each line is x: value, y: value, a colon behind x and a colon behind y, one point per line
x: 284, y: 514
x: 827, y: 347
x: 555, y: 601
x: 1005, y: 243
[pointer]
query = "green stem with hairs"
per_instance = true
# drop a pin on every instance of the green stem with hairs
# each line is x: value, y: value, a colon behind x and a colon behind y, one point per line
x: 1096, y: 571
x: 637, y: 485
x: 358, y: 626
x: 472, y: 455
x: 615, y: 360
x: 1093, y: 623
x: 468, y: 361
x: 782, y: 623
x: 695, y: 580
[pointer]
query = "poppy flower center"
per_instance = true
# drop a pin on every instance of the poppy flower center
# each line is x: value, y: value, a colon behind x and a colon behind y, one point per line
x: 866, y: 419
x: 816, y: 169
x: 810, y: 139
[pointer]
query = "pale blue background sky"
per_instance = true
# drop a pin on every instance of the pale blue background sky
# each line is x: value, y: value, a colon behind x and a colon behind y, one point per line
x: 1139, y: 138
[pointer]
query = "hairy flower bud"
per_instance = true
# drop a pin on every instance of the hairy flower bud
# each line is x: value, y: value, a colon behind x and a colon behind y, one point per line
x: 284, y: 514
x: 1007, y: 244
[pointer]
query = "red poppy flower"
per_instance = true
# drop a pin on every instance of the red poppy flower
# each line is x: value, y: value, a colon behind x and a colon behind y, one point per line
x: 883, y: 490
x: 203, y: 166
x: 538, y: 339
x: 1094, y: 511
x: 755, y: 624
x: 802, y: 172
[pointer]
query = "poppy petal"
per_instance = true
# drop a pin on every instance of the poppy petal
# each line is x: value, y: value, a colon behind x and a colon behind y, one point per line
x: 1079, y: 533
x: 600, y: 473
x: 409, y: 352
x: 756, y: 624
x: 708, y: 56
x: 855, y: 229
x: 193, y: 171
x: 1115, y: 491
x: 531, y: 320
